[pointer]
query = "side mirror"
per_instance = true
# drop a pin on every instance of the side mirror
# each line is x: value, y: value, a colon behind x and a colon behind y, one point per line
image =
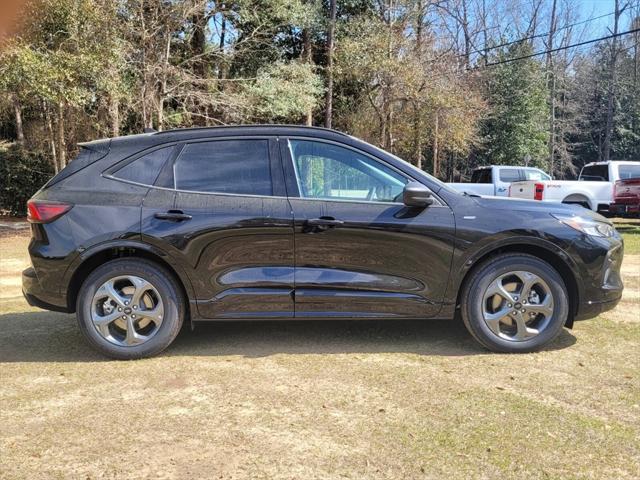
x: 416, y: 195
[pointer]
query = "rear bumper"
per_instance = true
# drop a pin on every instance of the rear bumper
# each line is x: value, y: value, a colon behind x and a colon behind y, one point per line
x: 631, y: 209
x: 36, y: 296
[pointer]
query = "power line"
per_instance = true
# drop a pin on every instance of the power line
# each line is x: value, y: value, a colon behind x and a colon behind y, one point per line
x: 539, y: 35
x: 565, y: 47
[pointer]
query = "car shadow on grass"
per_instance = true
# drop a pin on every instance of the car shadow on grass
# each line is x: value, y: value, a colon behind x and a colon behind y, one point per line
x: 54, y: 337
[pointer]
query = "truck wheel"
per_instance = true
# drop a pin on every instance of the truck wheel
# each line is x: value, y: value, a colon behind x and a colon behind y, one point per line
x: 514, y: 303
x: 130, y: 308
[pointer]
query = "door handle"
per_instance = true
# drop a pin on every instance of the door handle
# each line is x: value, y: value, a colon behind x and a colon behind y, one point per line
x: 321, y: 224
x: 173, y: 215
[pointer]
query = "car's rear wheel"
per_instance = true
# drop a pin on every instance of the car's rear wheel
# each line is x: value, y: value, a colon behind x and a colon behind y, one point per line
x: 514, y: 303
x: 130, y: 308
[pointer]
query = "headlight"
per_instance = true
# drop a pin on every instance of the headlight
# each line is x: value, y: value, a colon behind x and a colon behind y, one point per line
x: 587, y: 225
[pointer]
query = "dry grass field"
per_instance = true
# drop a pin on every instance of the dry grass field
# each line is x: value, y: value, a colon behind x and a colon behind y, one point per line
x: 307, y: 400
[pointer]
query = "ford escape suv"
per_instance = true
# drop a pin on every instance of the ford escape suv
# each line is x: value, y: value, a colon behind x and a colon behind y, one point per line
x: 142, y: 233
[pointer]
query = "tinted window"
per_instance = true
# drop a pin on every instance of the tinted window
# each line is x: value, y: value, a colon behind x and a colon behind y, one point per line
x: 145, y: 169
x: 482, y: 175
x: 535, y: 175
x: 509, y: 175
x: 225, y: 166
x: 598, y: 173
x: 629, y: 171
x: 328, y: 171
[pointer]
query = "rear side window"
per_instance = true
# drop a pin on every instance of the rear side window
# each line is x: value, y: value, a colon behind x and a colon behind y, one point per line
x: 629, y: 171
x: 145, y: 169
x: 225, y: 166
x: 535, y: 175
x: 509, y: 175
x: 482, y: 175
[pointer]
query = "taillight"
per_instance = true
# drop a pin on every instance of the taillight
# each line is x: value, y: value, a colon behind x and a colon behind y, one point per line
x: 509, y: 193
x: 615, y: 188
x: 539, y: 190
x: 45, y: 212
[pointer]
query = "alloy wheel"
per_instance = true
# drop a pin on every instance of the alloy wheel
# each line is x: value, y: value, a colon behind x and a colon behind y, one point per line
x: 127, y: 310
x: 517, y: 306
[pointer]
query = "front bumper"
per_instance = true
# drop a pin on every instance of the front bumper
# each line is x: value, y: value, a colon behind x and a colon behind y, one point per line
x: 602, y: 279
x: 36, y: 296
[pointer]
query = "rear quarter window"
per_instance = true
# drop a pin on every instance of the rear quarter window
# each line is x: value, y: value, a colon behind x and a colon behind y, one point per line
x: 146, y: 168
x: 482, y: 175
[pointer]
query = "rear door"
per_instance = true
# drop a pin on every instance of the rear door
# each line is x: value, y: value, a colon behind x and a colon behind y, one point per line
x: 221, y: 211
x: 359, y: 251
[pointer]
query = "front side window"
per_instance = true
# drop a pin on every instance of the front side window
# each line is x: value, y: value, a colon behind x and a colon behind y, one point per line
x: 225, y: 166
x: 509, y: 175
x: 145, y: 169
x: 327, y: 171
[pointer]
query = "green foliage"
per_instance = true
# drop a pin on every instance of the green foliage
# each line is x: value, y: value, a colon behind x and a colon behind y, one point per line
x: 22, y: 173
x: 516, y: 128
x: 284, y: 90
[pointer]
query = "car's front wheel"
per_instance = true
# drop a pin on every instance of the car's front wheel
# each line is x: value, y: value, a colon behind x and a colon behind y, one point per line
x: 514, y: 303
x: 130, y: 308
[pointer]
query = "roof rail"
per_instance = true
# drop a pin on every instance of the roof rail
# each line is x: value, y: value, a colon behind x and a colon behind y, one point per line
x: 256, y: 125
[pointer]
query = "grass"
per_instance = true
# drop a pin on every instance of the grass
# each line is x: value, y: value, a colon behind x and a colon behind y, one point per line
x: 630, y: 230
x: 318, y: 399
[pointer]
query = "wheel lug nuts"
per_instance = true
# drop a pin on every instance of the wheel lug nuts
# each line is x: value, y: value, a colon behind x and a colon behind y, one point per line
x: 515, y: 312
x: 510, y: 305
x: 126, y: 303
x: 523, y: 310
x: 515, y: 298
x: 133, y: 316
x: 119, y: 309
x: 135, y: 307
x: 124, y: 317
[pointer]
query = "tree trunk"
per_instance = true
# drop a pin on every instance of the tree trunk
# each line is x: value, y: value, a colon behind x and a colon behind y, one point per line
x: 606, y: 154
x: 552, y: 89
x: 308, y: 58
x: 436, y: 126
x: 52, y: 140
x: 163, y: 83
x: 62, y: 147
x: 329, y: 95
x: 114, y: 115
x: 17, y: 110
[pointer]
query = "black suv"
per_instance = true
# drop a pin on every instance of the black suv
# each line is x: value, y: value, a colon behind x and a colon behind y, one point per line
x: 140, y: 233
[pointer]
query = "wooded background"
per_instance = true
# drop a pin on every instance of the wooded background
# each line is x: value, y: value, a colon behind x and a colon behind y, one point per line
x: 444, y: 84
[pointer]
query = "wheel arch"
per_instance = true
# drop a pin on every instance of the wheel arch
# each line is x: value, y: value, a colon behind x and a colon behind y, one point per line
x: 555, y: 260
x: 89, y: 261
x: 581, y: 197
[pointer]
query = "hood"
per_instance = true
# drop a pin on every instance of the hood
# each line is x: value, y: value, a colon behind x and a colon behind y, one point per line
x: 520, y: 204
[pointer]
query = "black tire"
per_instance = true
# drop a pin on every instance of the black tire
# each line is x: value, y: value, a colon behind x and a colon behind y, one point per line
x: 480, y: 279
x: 168, y: 289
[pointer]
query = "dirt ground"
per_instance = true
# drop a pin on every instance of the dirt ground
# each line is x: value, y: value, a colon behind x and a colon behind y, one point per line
x: 278, y: 400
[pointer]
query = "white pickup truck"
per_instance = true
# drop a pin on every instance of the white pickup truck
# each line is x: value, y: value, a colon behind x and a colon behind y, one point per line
x: 593, y: 189
x: 494, y: 180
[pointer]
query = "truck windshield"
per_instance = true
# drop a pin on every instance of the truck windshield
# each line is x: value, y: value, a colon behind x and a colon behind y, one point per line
x: 595, y: 173
x: 629, y: 171
x: 481, y: 175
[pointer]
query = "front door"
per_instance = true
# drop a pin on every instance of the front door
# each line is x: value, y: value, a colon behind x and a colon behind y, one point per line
x: 231, y: 227
x: 359, y: 251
